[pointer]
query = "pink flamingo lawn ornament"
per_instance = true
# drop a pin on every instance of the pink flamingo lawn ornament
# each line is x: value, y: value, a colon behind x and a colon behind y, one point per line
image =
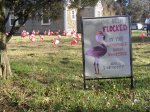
x: 37, y: 33
x: 32, y: 37
x: 142, y: 36
x: 73, y: 42
x: 64, y: 33
x: 42, y: 37
x: 23, y: 34
x: 7, y: 33
x: 56, y: 33
x: 97, y: 51
x: 52, y: 32
x: 78, y: 37
x: 59, y: 37
x: 55, y: 42
x: 45, y: 33
x: 49, y: 33
x: 33, y: 32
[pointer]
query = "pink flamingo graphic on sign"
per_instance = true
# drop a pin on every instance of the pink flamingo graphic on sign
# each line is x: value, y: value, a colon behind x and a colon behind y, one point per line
x: 97, y: 51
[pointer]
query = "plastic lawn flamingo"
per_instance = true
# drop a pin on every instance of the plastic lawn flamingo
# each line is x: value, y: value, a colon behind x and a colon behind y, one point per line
x: 33, y: 32
x: 49, y: 33
x: 73, y: 32
x: 73, y: 35
x: 55, y: 42
x: 23, y: 34
x: 73, y: 42
x: 7, y: 33
x: 142, y: 36
x: 59, y: 38
x: 64, y: 33
x: 45, y: 32
x: 52, y: 33
x: 41, y: 37
x: 37, y: 33
x: 27, y: 33
x: 56, y: 33
x: 32, y: 37
x: 78, y: 37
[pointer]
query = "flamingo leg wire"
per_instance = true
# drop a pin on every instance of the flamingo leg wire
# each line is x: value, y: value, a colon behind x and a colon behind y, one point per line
x: 98, y: 68
x: 95, y: 68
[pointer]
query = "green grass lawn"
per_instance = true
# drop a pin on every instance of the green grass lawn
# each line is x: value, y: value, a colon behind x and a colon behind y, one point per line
x: 49, y: 79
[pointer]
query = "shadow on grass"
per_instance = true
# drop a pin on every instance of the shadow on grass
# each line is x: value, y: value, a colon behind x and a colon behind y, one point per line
x: 50, y: 79
x: 115, y: 108
x: 146, y: 65
x: 31, y: 54
x: 101, y: 84
x: 65, y: 61
x: 137, y: 39
x: 27, y: 46
x: 51, y: 53
x: 13, y: 49
x: 58, y: 107
x: 108, y: 84
x: 142, y: 83
x: 72, y: 48
x: 147, y: 52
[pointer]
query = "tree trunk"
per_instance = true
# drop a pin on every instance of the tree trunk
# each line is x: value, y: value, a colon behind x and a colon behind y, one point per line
x: 5, y: 70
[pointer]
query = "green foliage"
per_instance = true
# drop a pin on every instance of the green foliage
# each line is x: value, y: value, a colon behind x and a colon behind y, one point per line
x: 141, y: 7
x: 83, y: 3
x: 27, y: 9
x: 49, y: 79
x: 137, y: 9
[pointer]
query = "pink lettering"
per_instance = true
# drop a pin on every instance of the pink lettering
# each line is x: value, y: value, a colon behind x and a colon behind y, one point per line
x: 125, y: 27
x: 114, y: 28
x: 104, y: 29
x: 111, y: 28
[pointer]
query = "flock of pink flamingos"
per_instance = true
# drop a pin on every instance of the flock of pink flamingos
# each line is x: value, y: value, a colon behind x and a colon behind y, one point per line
x: 56, y: 36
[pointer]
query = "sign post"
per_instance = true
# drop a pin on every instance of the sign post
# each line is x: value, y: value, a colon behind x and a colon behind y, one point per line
x: 106, y: 48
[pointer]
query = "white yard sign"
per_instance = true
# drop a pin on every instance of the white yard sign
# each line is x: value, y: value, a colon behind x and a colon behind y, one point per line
x: 106, y: 47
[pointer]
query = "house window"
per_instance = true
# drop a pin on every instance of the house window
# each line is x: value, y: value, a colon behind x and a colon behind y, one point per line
x: 45, y: 20
x: 12, y: 19
x: 98, y: 13
x: 69, y: 1
x: 73, y: 14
